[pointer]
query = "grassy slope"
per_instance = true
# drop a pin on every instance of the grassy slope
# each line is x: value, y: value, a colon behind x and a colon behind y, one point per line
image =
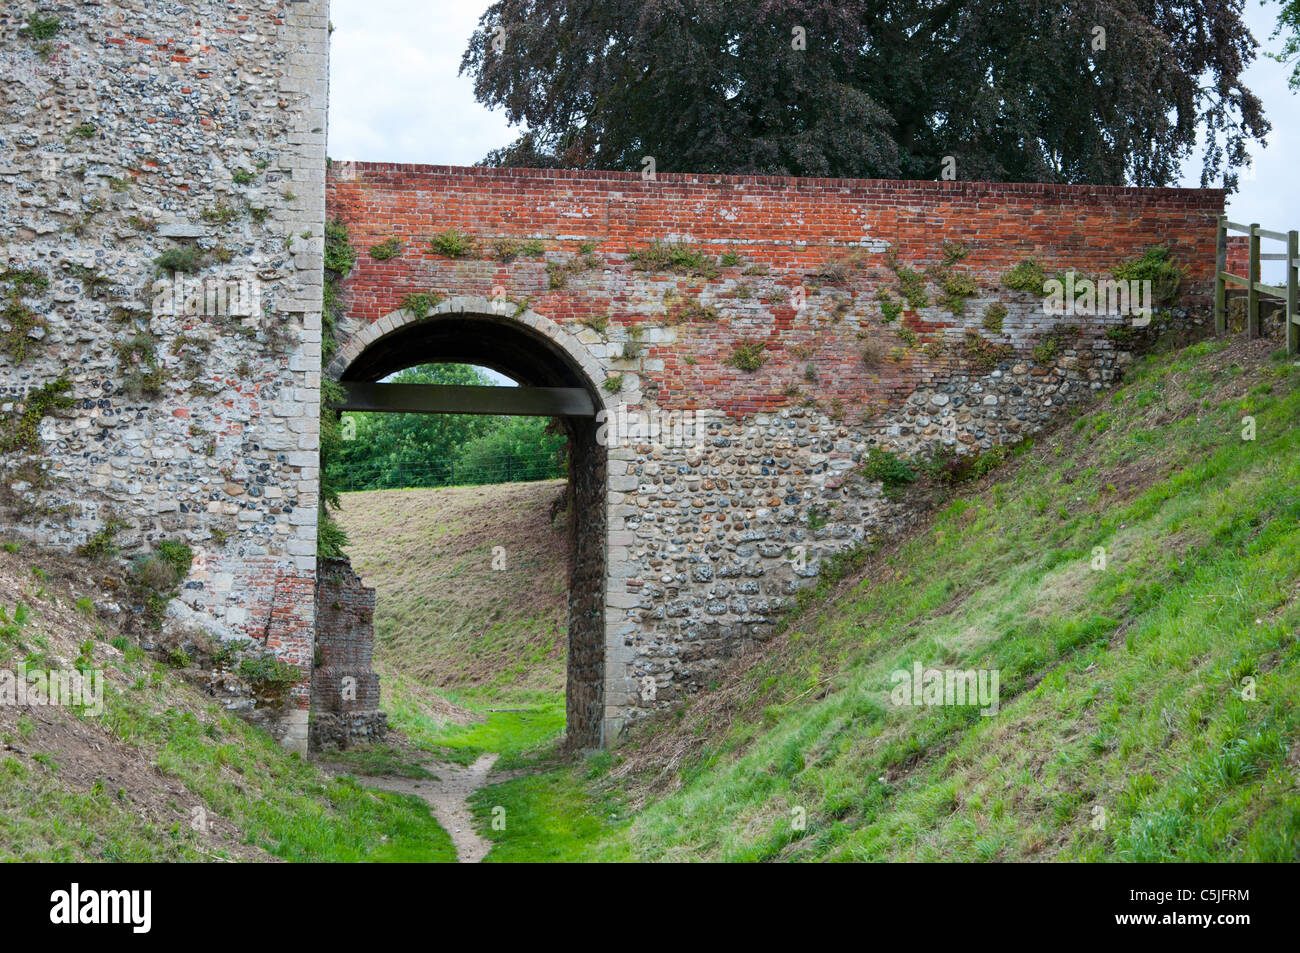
x: 449, y: 626
x: 125, y: 786
x: 1122, y: 732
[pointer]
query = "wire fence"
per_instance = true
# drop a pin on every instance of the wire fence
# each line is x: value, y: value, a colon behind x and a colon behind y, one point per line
x: 506, y: 468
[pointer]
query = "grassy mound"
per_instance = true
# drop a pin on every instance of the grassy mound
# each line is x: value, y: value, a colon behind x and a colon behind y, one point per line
x: 162, y: 774
x: 1133, y: 581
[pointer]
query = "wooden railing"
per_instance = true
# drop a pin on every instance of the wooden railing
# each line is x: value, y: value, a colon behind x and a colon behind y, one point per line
x: 1254, y: 287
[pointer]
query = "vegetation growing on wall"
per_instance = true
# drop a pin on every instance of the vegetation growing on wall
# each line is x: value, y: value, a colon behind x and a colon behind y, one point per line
x: 692, y: 310
x: 1025, y: 276
x: 1050, y: 346
x: 452, y: 243
x: 155, y: 577
x: 340, y: 257
x: 142, y: 373
x: 559, y: 272
x: 1155, y: 266
x: 748, y: 356
x: 20, y: 318
x: 389, y: 248
x: 21, y: 430
x: 676, y: 257
x: 911, y: 283
x: 894, y: 473
x: 420, y: 303
x: 506, y: 250
x: 994, y: 315
x: 982, y: 354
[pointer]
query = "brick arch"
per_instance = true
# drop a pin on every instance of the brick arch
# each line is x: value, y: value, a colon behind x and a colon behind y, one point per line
x: 587, y: 701
x: 396, y: 322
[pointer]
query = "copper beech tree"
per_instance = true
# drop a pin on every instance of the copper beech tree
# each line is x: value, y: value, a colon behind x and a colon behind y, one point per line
x: 1099, y: 91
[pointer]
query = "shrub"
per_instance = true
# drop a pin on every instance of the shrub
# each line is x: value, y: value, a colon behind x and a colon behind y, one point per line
x: 21, y: 431
x: 994, y: 315
x: 40, y: 28
x: 1154, y: 266
x: 889, y: 308
x: 270, y: 678
x: 983, y: 355
x: 388, y: 248
x: 892, y: 471
x: 748, y: 356
x: 672, y: 256
x: 452, y: 243
x: 1026, y: 276
x: 184, y: 258
x: 949, y: 467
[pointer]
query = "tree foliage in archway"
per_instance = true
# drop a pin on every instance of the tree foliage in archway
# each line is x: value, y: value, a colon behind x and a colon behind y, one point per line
x: 1013, y: 90
x: 385, y: 450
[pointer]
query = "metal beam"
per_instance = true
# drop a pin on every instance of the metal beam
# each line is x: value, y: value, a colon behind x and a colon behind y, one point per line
x: 458, y: 399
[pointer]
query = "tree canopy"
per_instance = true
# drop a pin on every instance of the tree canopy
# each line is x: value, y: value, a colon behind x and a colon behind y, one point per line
x: 1099, y: 91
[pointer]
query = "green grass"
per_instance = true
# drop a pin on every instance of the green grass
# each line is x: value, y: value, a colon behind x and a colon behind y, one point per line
x: 515, y: 734
x: 280, y: 803
x: 1120, y: 688
x: 376, y: 759
x: 550, y: 817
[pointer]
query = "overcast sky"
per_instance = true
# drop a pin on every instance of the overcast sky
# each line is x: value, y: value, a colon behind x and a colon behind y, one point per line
x: 395, y: 96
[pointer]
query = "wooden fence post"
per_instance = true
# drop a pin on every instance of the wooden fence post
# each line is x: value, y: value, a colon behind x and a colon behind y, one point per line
x: 1221, y: 286
x: 1252, y: 296
x: 1292, y: 293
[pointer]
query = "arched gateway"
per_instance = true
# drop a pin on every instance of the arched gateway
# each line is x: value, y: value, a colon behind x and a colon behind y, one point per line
x: 558, y: 378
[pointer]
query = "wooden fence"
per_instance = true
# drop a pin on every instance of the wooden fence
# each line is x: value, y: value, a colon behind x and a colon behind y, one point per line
x: 1254, y: 287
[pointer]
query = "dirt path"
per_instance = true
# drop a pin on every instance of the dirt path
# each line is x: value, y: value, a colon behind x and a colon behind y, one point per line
x: 447, y: 796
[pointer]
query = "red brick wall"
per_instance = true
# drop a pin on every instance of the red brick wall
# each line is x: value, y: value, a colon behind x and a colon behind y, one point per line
x: 1239, y: 255
x: 789, y: 226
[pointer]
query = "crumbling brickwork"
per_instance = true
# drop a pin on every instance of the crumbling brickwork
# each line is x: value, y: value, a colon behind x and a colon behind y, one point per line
x: 344, y: 686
